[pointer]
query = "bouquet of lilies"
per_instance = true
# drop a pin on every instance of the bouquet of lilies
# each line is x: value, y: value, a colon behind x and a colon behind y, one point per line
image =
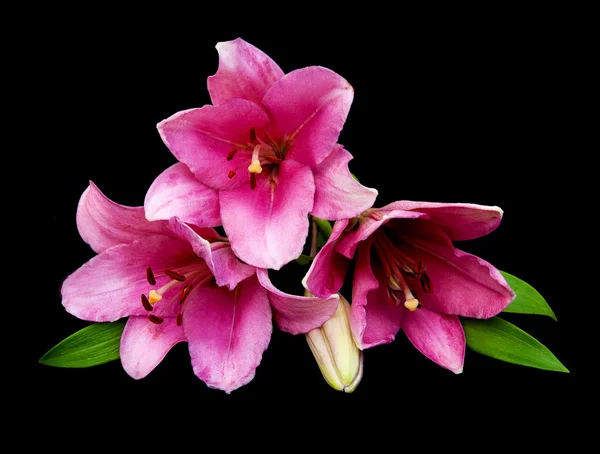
x: 261, y: 181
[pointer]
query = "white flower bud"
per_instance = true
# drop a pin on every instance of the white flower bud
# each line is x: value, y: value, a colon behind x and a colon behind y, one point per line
x: 338, y: 357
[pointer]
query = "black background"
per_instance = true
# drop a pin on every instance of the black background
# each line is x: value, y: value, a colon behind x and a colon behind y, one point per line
x: 451, y: 111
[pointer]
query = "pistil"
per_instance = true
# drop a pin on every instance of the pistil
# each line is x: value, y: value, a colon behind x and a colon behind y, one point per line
x: 397, y: 265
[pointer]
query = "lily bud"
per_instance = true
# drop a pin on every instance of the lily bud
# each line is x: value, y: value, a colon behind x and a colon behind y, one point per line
x: 338, y: 357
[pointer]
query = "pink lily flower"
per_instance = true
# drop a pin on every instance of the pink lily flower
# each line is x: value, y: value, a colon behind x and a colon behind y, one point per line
x: 268, y: 146
x: 409, y: 276
x: 176, y: 282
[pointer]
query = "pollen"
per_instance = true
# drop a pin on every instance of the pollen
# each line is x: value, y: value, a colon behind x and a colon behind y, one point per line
x: 411, y: 304
x: 154, y: 297
x: 255, y: 166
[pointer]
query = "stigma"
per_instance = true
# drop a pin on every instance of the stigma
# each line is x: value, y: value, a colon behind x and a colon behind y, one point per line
x: 263, y: 152
x: 404, y: 274
x: 177, y: 289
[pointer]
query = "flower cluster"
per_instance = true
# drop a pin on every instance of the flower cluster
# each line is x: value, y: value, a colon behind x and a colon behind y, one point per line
x: 263, y: 163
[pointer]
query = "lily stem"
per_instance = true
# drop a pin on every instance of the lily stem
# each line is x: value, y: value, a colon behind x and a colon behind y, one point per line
x: 314, y: 229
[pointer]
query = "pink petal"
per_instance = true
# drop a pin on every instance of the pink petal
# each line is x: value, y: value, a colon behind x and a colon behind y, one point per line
x: 373, y: 318
x: 328, y: 269
x: 310, y: 105
x: 203, y: 138
x: 461, y: 221
x: 244, y: 72
x: 297, y: 314
x: 338, y: 195
x: 368, y: 223
x: 110, y: 285
x: 144, y: 344
x: 267, y: 226
x: 229, y: 269
x: 227, y: 333
x: 463, y: 283
x: 103, y: 223
x: 439, y: 337
x: 177, y: 192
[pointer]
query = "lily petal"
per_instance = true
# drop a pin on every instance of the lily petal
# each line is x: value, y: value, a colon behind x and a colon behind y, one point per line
x: 338, y: 195
x: 244, y: 72
x: 144, y: 344
x: 103, y: 223
x: 268, y: 225
x: 373, y: 318
x: 200, y: 246
x: 461, y: 221
x: 203, y: 138
x: 227, y: 333
x: 439, y: 337
x: 229, y: 269
x: 297, y: 314
x: 368, y: 223
x: 177, y: 192
x: 110, y: 285
x: 309, y: 105
x: 221, y: 261
x: 328, y: 269
x: 463, y: 284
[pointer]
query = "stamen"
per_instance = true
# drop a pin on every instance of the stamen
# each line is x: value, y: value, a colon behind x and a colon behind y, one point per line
x: 412, y: 304
x: 146, y: 303
x: 253, y: 180
x: 410, y: 272
x: 231, y: 154
x: 426, y: 283
x: 154, y: 297
x: 185, y: 291
x: 174, y: 275
x: 155, y: 319
x: 252, y: 134
x: 273, y: 159
x: 274, y: 146
x: 179, y: 319
x: 231, y: 174
x: 150, y: 276
x: 393, y: 284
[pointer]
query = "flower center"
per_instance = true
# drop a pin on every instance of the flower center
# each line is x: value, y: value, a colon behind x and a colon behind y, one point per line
x: 402, y: 273
x: 182, y: 281
x: 262, y: 151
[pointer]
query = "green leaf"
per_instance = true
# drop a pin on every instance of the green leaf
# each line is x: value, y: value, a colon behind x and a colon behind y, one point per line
x: 502, y: 340
x: 321, y: 240
x: 324, y: 227
x: 93, y: 345
x: 354, y: 176
x: 304, y: 259
x: 528, y: 300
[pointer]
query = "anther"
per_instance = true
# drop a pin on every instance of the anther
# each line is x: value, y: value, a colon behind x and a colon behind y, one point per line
x: 174, y: 275
x: 231, y: 174
x: 185, y: 291
x: 253, y: 180
x: 150, y: 276
x: 410, y: 272
x: 426, y: 283
x: 146, y: 303
x: 179, y: 319
x: 231, y: 154
x: 154, y: 297
x: 155, y: 319
x: 273, y: 159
